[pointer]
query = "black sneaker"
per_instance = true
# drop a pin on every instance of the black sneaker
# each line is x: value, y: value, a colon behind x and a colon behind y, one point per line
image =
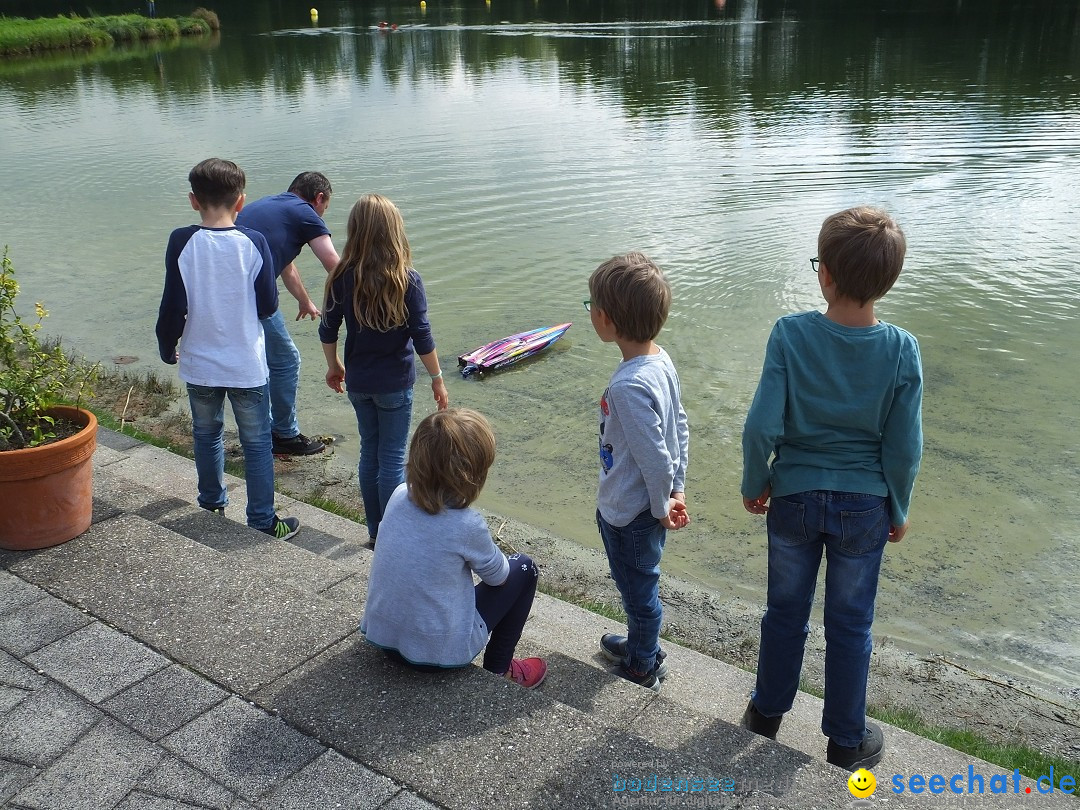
x: 283, y: 528
x: 758, y: 723
x: 217, y: 510
x: 866, y: 754
x: 613, y: 648
x: 649, y: 680
x: 298, y: 445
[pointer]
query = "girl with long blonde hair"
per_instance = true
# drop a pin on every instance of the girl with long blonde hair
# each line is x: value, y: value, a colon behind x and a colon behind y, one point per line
x: 381, y: 299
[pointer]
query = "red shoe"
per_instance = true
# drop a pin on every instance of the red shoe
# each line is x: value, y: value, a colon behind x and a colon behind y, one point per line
x: 527, y: 672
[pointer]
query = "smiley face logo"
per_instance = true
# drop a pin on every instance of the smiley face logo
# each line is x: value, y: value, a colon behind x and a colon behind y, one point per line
x: 862, y: 784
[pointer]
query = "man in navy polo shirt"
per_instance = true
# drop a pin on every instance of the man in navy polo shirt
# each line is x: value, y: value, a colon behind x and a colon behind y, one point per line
x: 289, y: 221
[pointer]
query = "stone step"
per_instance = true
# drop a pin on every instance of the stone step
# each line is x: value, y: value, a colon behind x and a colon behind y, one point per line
x: 691, y: 725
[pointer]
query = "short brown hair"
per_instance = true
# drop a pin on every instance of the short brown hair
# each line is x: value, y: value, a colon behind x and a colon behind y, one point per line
x: 309, y: 185
x: 634, y: 293
x: 217, y: 183
x: 449, y: 458
x: 863, y: 250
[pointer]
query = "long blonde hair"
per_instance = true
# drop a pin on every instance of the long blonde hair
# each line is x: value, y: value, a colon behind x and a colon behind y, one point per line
x: 377, y: 253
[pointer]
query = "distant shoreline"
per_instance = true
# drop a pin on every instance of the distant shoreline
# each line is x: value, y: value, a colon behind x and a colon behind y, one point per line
x: 27, y: 37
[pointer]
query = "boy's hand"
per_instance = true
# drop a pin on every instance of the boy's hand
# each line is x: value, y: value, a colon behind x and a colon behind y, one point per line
x: 896, y: 533
x: 677, y: 516
x: 758, y: 505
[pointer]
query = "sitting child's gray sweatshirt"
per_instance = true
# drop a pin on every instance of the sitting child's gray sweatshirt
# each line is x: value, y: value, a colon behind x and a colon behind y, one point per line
x: 420, y: 599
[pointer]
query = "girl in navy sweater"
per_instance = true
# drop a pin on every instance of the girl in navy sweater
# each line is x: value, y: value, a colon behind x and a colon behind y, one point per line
x: 381, y: 300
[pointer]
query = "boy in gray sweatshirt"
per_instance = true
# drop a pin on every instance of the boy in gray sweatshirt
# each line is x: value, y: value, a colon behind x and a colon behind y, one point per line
x: 643, y: 455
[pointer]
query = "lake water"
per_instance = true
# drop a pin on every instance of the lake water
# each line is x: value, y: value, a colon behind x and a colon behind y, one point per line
x: 525, y: 142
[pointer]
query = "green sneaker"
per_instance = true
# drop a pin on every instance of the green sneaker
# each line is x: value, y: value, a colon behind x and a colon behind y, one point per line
x: 283, y: 528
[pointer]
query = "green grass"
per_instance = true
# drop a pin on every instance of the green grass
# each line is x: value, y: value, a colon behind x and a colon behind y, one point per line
x: 331, y: 506
x: 23, y: 37
x: 1031, y: 763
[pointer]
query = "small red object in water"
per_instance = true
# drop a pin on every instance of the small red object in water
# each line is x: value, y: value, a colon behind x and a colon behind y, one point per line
x: 382, y: 24
x: 393, y: 27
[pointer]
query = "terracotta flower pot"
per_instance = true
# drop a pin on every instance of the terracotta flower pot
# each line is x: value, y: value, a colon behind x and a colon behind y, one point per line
x: 47, y: 491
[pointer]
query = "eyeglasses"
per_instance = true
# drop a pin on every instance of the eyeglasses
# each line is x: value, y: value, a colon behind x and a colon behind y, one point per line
x: 814, y: 262
x: 588, y: 304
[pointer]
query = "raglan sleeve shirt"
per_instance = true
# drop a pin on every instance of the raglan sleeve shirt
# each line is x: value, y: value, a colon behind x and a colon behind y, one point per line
x: 172, y: 312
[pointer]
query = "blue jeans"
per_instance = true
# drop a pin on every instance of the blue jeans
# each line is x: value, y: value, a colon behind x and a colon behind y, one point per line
x: 283, y: 360
x: 383, y: 422
x: 633, y: 553
x: 852, y: 530
x: 251, y: 409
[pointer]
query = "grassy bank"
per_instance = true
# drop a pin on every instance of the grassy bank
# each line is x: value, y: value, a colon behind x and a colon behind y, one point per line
x: 23, y: 37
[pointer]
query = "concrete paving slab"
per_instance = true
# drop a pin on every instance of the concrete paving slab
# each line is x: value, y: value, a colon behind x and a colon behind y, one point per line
x: 10, y: 697
x: 587, y: 688
x: 248, y: 547
x: 15, y: 593
x: 137, y: 800
x: 13, y: 778
x: 116, y: 493
x: 164, y: 701
x: 351, y: 591
x: 535, y: 752
x: 39, y: 624
x: 17, y: 682
x: 96, y: 772
x: 334, y: 781
x: 111, y: 440
x: 16, y: 675
x: 408, y: 801
x: 97, y: 662
x: 238, y: 626
x: 176, y: 780
x: 243, y: 748
x: 44, y: 725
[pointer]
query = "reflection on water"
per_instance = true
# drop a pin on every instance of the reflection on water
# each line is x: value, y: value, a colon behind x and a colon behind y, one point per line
x: 528, y: 142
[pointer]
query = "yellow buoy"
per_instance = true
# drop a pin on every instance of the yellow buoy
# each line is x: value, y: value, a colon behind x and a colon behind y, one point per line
x: 314, y: 13
x: 423, y: 4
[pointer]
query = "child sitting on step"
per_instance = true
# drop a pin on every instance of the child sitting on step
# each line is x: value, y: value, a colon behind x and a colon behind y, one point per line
x: 422, y: 607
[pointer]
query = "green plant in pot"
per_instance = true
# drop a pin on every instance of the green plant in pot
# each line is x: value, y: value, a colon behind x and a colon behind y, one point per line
x: 45, y: 447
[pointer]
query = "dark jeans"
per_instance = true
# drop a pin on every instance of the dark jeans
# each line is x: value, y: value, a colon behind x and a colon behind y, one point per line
x: 851, y: 529
x: 504, y: 609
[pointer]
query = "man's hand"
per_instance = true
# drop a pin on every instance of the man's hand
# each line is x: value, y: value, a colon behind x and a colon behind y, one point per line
x: 308, y: 310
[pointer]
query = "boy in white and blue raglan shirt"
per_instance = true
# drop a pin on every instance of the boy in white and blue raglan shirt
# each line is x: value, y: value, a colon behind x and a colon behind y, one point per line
x: 643, y: 455
x: 219, y: 281
x: 838, y: 411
